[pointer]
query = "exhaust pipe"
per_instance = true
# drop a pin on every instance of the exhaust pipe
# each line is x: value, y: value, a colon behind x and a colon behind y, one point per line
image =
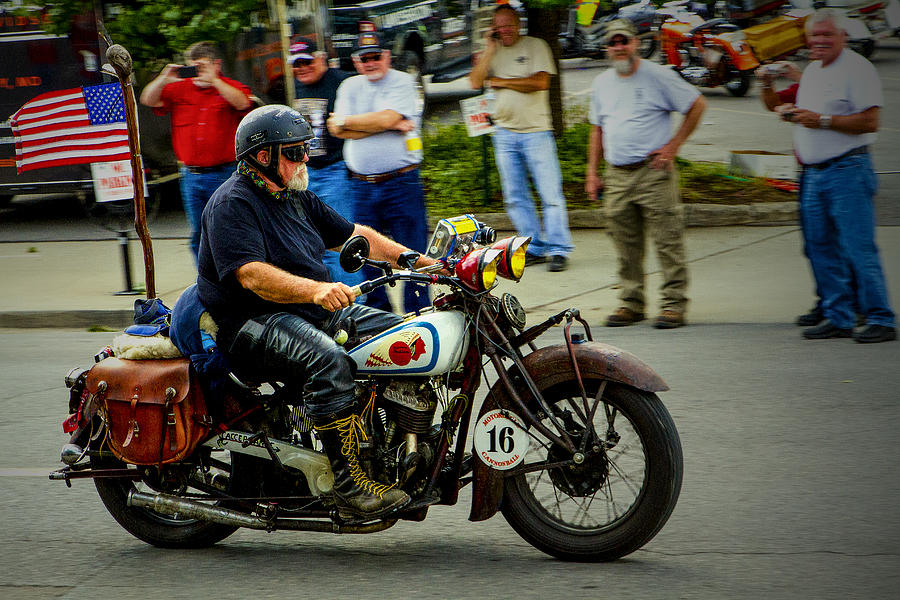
x: 167, y: 504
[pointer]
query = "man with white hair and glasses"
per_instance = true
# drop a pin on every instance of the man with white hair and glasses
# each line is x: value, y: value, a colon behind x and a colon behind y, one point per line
x: 835, y: 120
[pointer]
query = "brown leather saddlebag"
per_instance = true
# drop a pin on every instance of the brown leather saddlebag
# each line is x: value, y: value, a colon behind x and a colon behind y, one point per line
x: 154, y: 409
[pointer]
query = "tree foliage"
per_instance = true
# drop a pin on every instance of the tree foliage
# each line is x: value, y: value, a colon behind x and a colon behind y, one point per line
x: 156, y: 32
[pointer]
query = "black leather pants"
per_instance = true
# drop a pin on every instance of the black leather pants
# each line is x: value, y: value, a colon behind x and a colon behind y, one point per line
x: 290, y: 349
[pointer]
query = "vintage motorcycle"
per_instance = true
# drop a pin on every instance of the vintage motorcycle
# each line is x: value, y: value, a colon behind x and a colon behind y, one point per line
x: 707, y: 53
x: 582, y: 33
x: 571, y: 442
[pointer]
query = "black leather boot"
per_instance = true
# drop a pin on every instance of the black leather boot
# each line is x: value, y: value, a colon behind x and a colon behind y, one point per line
x: 355, y: 494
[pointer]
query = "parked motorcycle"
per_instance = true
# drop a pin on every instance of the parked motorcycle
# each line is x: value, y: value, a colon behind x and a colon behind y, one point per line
x: 571, y: 442
x: 582, y: 35
x: 706, y: 53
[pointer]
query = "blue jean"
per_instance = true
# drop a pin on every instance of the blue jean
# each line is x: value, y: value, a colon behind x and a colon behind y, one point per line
x: 519, y: 155
x: 332, y: 185
x: 839, y: 227
x: 196, y: 188
x: 396, y: 208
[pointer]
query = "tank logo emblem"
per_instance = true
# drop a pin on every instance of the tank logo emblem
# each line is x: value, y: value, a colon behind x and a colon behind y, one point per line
x: 400, y: 349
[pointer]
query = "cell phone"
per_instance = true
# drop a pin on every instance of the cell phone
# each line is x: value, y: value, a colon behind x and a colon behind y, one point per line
x: 495, y: 35
x: 187, y: 72
x: 788, y: 116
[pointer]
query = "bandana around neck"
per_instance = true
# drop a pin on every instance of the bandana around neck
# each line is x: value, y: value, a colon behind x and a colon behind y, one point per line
x: 245, y: 169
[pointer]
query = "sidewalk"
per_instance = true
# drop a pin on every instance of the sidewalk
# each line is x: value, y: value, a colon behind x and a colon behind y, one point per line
x: 739, y: 274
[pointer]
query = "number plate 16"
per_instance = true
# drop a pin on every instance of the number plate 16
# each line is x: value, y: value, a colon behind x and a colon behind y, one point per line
x: 501, y: 440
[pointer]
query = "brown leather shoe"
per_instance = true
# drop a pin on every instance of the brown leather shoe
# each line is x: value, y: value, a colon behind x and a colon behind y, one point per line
x: 624, y: 316
x: 669, y: 319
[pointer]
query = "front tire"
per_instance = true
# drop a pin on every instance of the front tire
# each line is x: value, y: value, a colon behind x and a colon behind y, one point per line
x: 616, y: 500
x: 740, y: 84
x: 159, y: 530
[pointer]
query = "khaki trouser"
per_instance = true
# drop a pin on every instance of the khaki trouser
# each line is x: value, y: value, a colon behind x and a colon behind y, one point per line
x: 639, y: 199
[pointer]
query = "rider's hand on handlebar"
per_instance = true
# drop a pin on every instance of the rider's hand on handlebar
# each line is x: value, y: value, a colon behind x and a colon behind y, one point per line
x: 333, y: 296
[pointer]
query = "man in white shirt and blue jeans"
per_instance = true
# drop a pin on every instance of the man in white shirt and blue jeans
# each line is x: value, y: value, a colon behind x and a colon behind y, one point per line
x: 835, y: 119
x: 377, y: 116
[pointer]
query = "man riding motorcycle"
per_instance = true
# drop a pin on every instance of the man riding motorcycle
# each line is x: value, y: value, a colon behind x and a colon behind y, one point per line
x: 262, y: 278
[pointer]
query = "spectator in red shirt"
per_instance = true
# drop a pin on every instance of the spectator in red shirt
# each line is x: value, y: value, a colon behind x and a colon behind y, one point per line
x: 205, y: 109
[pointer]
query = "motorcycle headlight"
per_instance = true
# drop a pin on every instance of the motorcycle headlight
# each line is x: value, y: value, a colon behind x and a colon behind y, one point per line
x: 477, y: 270
x: 511, y: 263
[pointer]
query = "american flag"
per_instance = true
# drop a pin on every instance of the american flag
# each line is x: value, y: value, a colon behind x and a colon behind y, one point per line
x: 69, y: 127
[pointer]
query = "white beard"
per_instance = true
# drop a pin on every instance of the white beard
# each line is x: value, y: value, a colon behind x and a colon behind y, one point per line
x: 299, y: 181
x: 623, y: 66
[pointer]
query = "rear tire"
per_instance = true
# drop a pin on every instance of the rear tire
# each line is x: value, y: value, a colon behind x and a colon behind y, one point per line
x: 159, y: 530
x: 614, y: 502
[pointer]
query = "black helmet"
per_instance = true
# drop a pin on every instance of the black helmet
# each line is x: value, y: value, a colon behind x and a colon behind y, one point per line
x: 267, y: 126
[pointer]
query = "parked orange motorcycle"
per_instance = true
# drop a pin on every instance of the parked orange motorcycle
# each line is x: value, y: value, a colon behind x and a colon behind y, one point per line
x: 707, y: 53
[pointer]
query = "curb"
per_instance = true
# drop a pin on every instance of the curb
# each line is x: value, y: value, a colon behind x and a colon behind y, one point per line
x: 696, y: 215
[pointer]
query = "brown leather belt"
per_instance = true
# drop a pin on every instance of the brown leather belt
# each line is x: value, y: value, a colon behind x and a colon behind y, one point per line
x: 379, y: 177
x: 635, y: 165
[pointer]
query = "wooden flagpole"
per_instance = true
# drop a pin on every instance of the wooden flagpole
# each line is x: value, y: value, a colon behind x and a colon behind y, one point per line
x: 120, y: 60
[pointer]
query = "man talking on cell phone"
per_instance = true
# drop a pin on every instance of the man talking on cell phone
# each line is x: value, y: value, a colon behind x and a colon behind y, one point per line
x: 205, y: 110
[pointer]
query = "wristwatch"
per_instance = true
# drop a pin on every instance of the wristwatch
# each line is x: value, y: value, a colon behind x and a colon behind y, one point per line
x: 824, y: 121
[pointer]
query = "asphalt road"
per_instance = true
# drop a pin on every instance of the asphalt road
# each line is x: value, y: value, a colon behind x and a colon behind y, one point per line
x: 790, y: 491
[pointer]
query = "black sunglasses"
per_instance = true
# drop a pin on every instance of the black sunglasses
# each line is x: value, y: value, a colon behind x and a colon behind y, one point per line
x: 619, y: 41
x: 370, y: 57
x: 295, y: 153
x: 303, y: 62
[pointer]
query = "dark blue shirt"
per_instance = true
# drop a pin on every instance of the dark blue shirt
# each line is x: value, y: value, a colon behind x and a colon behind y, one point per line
x: 243, y: 223
x: 316, y: 102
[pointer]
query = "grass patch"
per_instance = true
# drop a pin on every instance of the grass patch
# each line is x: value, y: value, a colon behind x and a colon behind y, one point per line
x: 453, y: 174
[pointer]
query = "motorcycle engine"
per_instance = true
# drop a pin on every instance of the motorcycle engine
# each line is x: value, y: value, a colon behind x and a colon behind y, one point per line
x: 411, y: 403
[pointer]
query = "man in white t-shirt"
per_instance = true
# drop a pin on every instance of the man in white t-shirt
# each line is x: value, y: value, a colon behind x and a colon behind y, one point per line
x: 835, y: 119
x: 631, y: 106
x: 518, y: 69
x: 377, y: 116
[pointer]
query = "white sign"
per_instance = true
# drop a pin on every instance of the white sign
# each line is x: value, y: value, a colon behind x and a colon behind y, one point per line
x: 113, y: 181
x: 500, y: 439
x: 476, y: 112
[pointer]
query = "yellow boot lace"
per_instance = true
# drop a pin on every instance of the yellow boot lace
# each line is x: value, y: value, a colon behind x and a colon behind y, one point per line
x: 351, y: 430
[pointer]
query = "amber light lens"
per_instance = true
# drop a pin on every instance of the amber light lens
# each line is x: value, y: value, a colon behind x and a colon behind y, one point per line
x: 478, y: 269
x: 511, y: 264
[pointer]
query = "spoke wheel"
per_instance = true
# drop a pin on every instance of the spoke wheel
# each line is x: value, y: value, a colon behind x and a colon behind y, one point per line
x: 618, y: 497
x: 160, y: 530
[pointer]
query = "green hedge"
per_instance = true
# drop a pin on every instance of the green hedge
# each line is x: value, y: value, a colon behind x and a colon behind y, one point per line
x: 453, y: 174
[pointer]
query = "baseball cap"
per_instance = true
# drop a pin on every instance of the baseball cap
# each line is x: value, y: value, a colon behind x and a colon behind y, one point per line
x: 619, y: 27
x: 302, y: 48
x: 366, y: 43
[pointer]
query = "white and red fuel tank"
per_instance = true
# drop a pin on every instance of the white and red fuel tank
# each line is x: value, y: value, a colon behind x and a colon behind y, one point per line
x: 432, y: 343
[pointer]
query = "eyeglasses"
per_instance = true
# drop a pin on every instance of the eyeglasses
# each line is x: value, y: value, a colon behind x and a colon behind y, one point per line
x: 618, y: 42
x: 370, y: 57
x: 303, y: 62
x: 295, y: 153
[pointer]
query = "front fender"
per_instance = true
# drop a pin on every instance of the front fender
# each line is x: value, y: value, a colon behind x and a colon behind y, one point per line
x: 550, y: 366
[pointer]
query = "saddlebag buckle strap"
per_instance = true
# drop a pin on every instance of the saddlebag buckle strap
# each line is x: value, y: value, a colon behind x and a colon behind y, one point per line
x: 134, y: 430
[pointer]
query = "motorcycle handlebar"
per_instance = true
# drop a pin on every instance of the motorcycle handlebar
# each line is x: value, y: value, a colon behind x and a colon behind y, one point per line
x: 367, y: 286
